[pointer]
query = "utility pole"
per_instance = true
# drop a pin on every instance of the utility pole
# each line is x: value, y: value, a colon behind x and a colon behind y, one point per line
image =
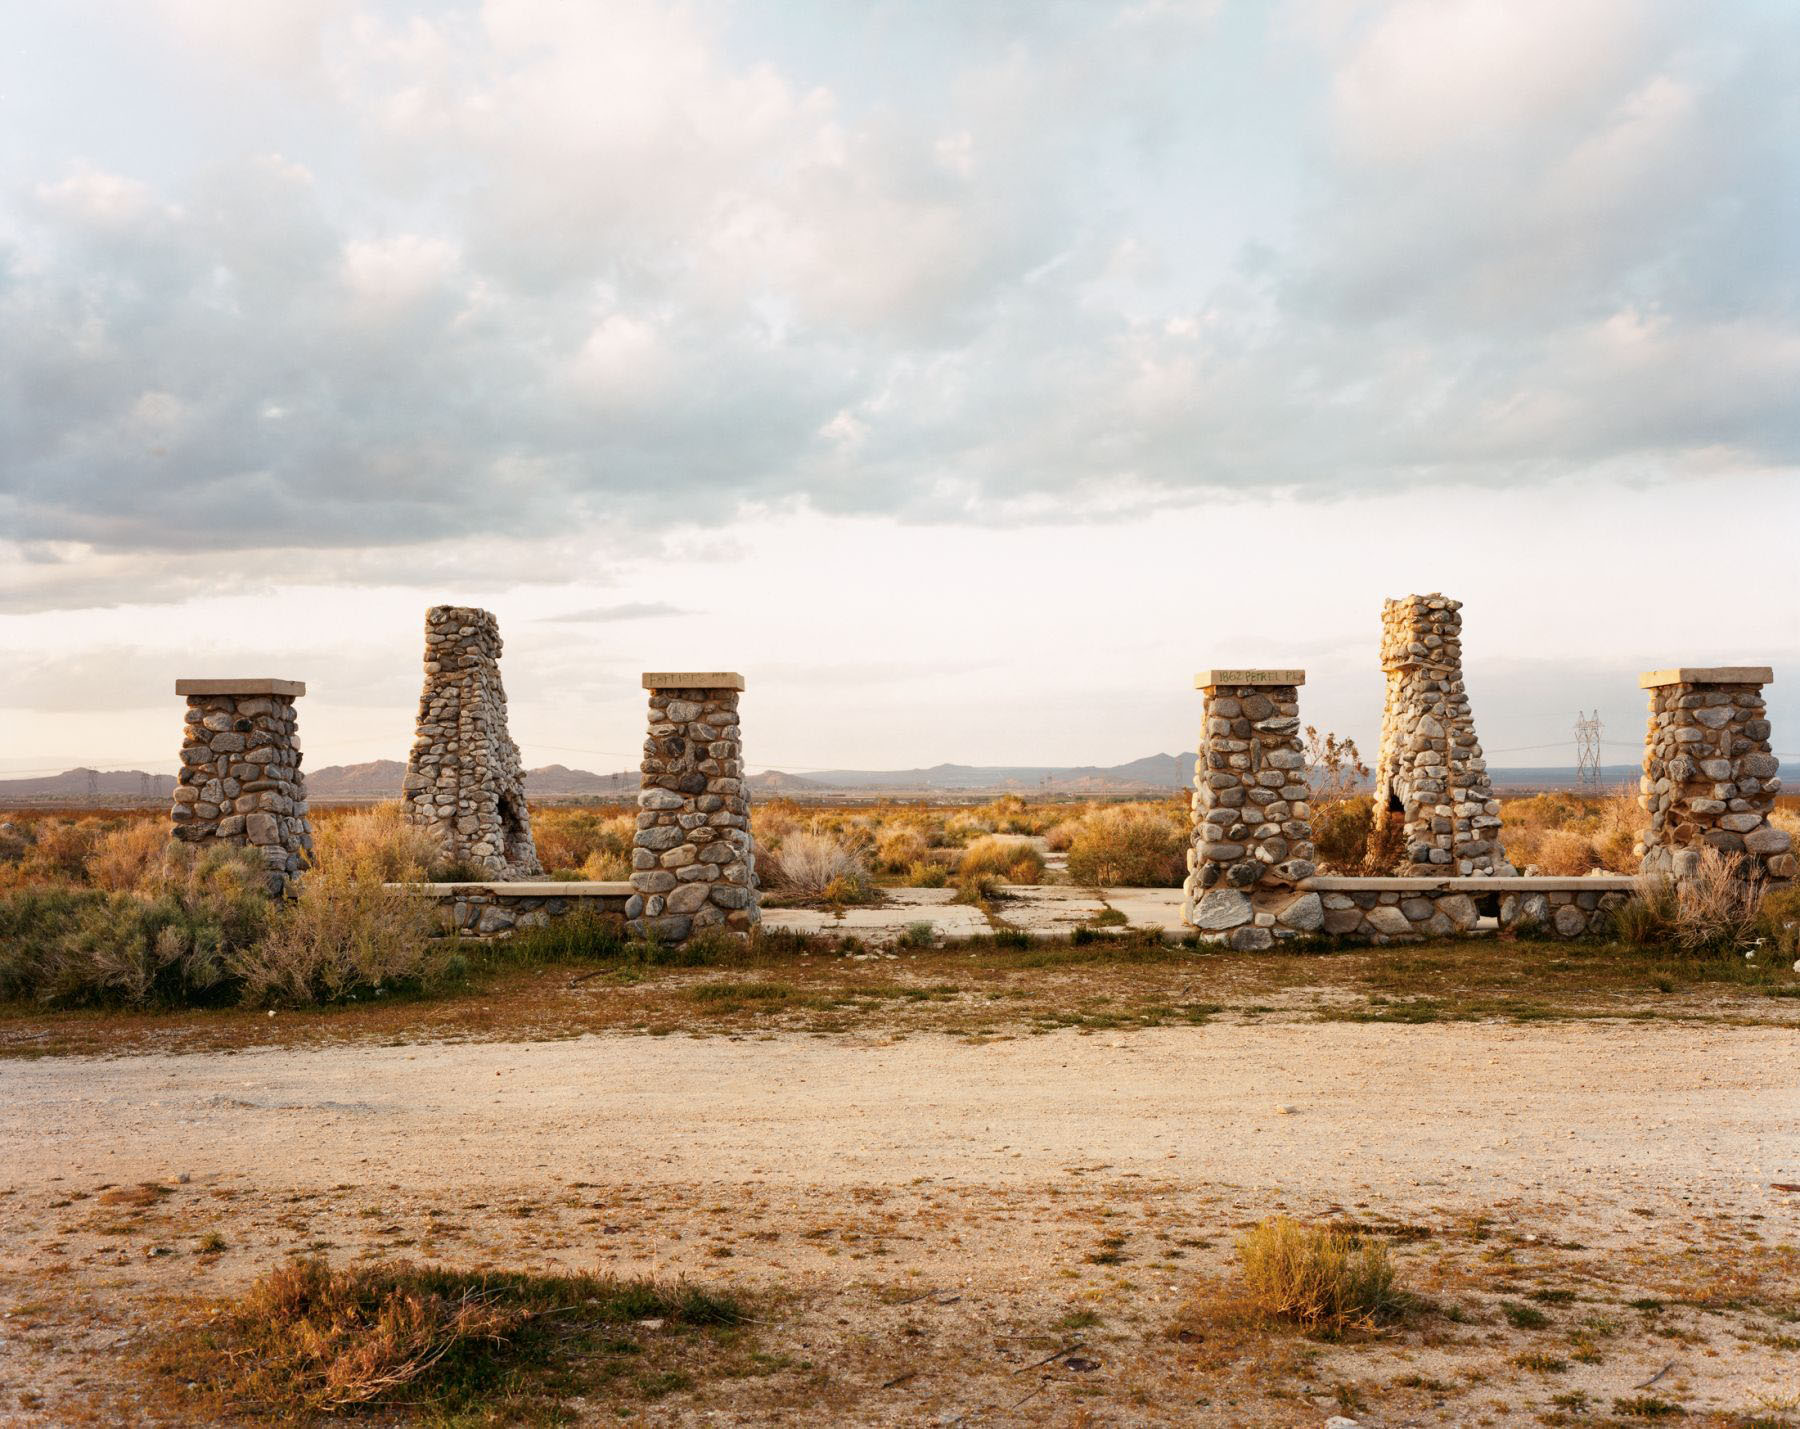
x: 1587, y: 753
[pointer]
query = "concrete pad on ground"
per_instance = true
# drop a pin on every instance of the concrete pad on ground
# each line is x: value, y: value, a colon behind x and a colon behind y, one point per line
x: 1047, y: 908
x: 1149, y: 907
x: 948, y: 920
x: 918, y: 897
x: 798, y: 920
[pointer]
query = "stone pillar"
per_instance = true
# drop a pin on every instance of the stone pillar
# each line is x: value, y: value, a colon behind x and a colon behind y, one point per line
x: 1430, y: 772
x: 240, y: 780
x: 463, y: 779
x: 1709, y: 778
x: 693, y: 866
x: 1252, y: 837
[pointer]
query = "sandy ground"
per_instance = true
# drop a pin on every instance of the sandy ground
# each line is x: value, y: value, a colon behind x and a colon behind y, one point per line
x: 840, y: 1171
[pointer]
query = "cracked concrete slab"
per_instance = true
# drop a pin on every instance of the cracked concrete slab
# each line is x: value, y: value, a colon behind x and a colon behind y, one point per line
x: 1042, y: 909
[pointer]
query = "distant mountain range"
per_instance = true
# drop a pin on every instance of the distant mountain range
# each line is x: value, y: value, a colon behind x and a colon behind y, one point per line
x: 106, y: 785
x: 381, y: 779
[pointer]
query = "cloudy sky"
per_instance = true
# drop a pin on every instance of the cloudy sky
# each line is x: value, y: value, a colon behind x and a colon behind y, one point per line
x: 967, y: 374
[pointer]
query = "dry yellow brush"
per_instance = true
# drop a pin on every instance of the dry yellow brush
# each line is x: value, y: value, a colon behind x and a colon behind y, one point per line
x: 1324, y: 1281
x: 142, y: 921
x: 462, y: 1346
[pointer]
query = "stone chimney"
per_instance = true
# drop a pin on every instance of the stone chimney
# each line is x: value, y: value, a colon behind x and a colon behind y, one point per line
x: 1430, y: 772
x: 463, y: 778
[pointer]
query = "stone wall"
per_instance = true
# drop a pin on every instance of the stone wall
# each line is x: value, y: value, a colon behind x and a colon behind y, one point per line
x: 464, y: 779
x: 240, y: 780
x: 1709, y: 778
x: 1252, y: 839
x: 693, y: 862
x: 1385, y: 910
x: 496, y: 910
x: 1430, y: 772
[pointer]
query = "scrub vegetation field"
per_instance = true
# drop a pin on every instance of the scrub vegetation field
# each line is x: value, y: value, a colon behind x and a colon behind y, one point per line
x: 317, y: 1162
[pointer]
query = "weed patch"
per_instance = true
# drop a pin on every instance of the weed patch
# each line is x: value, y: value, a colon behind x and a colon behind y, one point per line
x: 308, y: 1339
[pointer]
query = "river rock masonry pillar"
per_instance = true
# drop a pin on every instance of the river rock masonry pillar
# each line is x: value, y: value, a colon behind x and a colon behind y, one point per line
x: 1709, y: 777
x: 464, y: 779
x: 1430, y: 772
x: 1252, y: 839
x: 240, y: 780
x: 693, y: 864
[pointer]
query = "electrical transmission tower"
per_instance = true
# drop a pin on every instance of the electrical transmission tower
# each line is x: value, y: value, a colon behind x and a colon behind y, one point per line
x: 1587, y: 753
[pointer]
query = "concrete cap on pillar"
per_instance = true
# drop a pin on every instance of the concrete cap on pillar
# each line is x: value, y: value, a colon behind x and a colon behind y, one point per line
x: 1708, y: 675
x: 693, y: 680
x: 289, y: 689
x: 1207, y: 679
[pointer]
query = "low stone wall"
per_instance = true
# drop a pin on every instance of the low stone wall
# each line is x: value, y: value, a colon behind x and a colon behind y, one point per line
x: 1386, y: 910
x: 1380, y: 910
x: 490, y: 910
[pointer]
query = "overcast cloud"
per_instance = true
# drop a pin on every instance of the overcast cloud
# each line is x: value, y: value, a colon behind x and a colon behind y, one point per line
x: 458, y: 301
x: 451, y: 269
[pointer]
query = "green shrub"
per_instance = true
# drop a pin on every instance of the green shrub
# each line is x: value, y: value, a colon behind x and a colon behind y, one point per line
x: 178, y: 945
x: 582, y: 935
x: 343, y: 935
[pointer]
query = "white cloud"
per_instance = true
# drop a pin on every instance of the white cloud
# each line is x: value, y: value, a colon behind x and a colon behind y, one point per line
x: 397, y: 272
x: 545, y: 264
x: 99, y: 199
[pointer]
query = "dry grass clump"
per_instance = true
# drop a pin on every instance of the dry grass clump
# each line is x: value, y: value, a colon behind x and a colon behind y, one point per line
x: 129, y: 857
x: 1130, y: 846
x: 594, y: 843
x: 310, y: 1339
x: 1717, y: 909
x: 1325, y: 1281
x: 926, y: 875
x: 810, y: 863
x: 899, y: 847
x: 1341, y: 831
x: 347, y: 932
x: 175, y: 924
x: 1009, y: 858
x: 377, y: 843
x: 961, y: 828
x: 56, y: 850
x: 1061, y: 834
x: 1563, y: 853
x: 1568, y: 835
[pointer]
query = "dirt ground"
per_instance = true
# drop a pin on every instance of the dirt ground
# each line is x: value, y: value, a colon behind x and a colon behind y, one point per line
x: 1591, y: 1210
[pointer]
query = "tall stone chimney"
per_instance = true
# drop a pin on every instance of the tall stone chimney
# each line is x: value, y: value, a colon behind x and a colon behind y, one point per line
x: 463, y: 778
x: 1430, y: 773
